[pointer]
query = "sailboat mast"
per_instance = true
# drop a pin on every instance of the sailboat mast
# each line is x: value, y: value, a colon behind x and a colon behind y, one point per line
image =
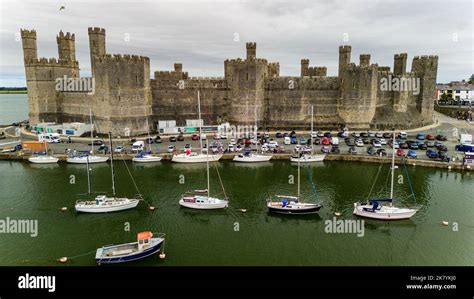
x: 256, y: 129
x: 200, y: 127
x: 393, y: 165
x: 148, y: 132
x: 88, y: 176
x: 311, y: 133
x: 112, y: 163
x: 92, y: 131
x: 298, y: 179
x: 207, y: 165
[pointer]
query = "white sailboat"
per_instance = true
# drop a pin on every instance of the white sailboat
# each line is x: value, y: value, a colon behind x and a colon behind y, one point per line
x: 103, y: 203
x: 286, y: 204
x: 307, y: 158
x: 201, y: 199
x: 43, y: 159
x: 85, y: 157
x: 193, y: 157
x: 376, y: 208
x: 249, y: 156
x: 146, y: 157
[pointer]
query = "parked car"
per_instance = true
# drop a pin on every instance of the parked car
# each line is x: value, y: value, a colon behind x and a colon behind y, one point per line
x: 379, y: 134
x: 293, y: 134
x: 317, y: 141
x: 413, y: 146
x: 437, y: 143
x: 400, y: 153
x: 149, y: 140
x: 371, y: 151
x: 279, y: 135
x: 171, y: 148
x: 103, y: 149
x: 294, y: 140
x: 325, y: 141
x: 403, y: 145
x: 188, y: 147
x: 356, y: 134
x: 423, y: 146
x: 442, y: 148
x: 172, y: 138
x: 412, y: 154
x: 420, y: 136
x: 432, y: 154
x: 443, y: 156
x: 441, y: 138
x: 366, y: 140
x: 335, y: 150
x: 371, y: 134
x: 352, y: 150
x: 464, y: 148
x: 376, y: 143
x: 430, y: 137
x: 158, y: 139
x: 273, y: 144
x: 383, y: 141
x: 328, y: 134
x: 120, y: 150
x: 195, y: 137
x: 325, y: 149
x: 180, y: 137
x: 96, y: 142
x: 387, y: 135
x: 287, y: 140
x: 381, y: 152
x: 320, y: 134
x: 402, y: 135
x: 248, y: 141
x: 350, y: 142
x: 364, y: 134
x: 429, y: 143
x: 359, y: 142
x: 343, y: 134
x: 286, y: 135
x: 302, y: 141
x: 334, y: 141
x: 395, y: 145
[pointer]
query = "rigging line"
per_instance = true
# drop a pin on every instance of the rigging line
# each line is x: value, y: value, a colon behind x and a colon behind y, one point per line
x: 133, y: 180
x: 408, y: 179
x: 375, y: 181
x: 220, y: 180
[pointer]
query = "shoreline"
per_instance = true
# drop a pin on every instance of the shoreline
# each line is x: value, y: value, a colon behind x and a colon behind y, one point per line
x: 284, y: 157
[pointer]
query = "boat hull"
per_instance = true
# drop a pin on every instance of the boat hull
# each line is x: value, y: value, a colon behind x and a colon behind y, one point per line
x: 308, y: 158
x: 43, y: 160
x: 106, y: 208
x: 301, y: 209
x: 385, y: 213
x: 252, y: 158
x: 198, y: 158
x: 206, y: 203
x: 154, y: 248
x: 83, y: 160
x: 147, y: 159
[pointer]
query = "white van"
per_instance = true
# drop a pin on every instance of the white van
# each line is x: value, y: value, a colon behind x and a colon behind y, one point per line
x: 287, y: 140
x: 465, y: 139
x: 138, y: 146
x: 49, y: 137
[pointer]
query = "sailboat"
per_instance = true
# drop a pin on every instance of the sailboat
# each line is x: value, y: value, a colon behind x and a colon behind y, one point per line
x: 43, y: 158
x: 193, y: 157
x: 286, y: 204
x: 103, y: 203
x: 85, y: 157
x: 376, y: 208
x: 248, y: 156
x: 145, y: 157
x: 306, y: 158
x: 201, y: 199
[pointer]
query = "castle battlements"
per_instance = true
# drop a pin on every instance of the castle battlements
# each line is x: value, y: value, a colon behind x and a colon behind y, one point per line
x: 125, y: 96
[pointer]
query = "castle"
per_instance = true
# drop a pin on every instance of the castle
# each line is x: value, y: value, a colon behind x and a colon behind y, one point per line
x: 125, y: 96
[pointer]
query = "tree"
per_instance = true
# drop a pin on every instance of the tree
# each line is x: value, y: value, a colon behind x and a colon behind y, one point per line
x: 471, y: 80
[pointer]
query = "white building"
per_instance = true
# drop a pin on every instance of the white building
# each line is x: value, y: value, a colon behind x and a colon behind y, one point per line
x: 457, y: 91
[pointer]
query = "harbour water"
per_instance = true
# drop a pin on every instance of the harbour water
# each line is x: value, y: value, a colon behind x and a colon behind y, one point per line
x: 13, y: 108
x: 233, y: 237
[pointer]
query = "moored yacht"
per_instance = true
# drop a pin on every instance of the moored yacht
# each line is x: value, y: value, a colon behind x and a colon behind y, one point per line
x: 305, y: 157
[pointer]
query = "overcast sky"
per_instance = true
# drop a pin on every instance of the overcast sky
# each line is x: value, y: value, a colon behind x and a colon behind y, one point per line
x: 202, y: 34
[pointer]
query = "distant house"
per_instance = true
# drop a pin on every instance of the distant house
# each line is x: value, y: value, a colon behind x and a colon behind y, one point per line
x: 458, y: 93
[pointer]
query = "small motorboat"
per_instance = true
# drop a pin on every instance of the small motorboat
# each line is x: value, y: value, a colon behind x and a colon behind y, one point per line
x: 145, y: 157
x: 145, y: 246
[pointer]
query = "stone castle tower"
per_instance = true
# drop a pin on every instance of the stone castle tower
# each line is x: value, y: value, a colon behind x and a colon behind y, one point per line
x: 125, y: 96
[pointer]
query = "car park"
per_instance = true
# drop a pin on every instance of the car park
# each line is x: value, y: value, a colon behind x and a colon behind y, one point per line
x: 328, y: 134
x: 302, y: 141
x: 103, y: 149
x: 356, y: 134
x: 343, y: 134
x: 96, y: 142
x: 314, y: 134
x: 273, y: 144
x: 138, y: 146
x: 293, y: 134
x: 366, y: 140
x: 387, y: 135
x: 464, y: 148
x: 403, y: 145
x: 443, y: 156
x: 188, y: 147
x: 223, y: 136
x: 371, y: 134
x: 334, y: 141
x: 350, y: 142
x: 379, y: 134
x: 317, y: 141
x: 403, y: 135
x: 442, y: 148
x: 195, y: 137
x: 294, y: 140
x: 248, y: 141
x: 320, y: 134
x: 412, y: 154
x: 413, y: 146
x: 149, y: 140
x: 422, y: 146
x: 287, y: 140
x: 429, y: 143
x: 431, y: 154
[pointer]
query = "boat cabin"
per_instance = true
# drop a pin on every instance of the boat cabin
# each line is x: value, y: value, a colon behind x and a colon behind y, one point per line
x: 144, y: 241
